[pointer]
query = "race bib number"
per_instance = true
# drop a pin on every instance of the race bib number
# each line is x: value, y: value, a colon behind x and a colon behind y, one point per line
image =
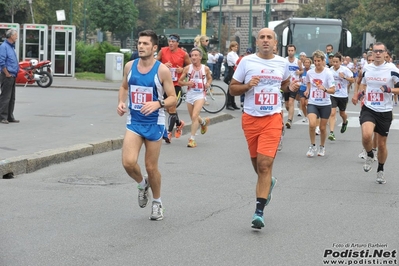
x: 173, y: 73
x: 375, y: 97
x: 318, y: 94
x: 140, y: 95
x: 266, y: 98
x: 198, y: 85
x: 265, y: 101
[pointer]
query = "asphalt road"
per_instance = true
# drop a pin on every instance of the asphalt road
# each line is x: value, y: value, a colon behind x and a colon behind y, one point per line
x: 60, y: 124
x: 85, y: 212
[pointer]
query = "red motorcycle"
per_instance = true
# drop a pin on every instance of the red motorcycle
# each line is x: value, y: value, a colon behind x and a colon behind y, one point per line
x: 32, y: 71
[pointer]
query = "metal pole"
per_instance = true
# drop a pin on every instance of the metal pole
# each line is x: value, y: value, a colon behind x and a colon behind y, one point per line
x: 267, y: 13
x: 229, y: 26
x: 84, y: 21
x: 327, y: 8
x: 178, y: 13
x: 220, y: 23
x: 132, y: 37
x: 203, y: 19
x: 250, y: 25
x: 70, y: 14
x: 31, y: 11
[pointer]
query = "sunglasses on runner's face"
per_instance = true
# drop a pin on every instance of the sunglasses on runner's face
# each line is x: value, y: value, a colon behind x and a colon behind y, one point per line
x: 378, y: 51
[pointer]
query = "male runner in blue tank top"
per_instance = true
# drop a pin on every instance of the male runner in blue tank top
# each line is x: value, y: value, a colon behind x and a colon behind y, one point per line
x: 144, y: 83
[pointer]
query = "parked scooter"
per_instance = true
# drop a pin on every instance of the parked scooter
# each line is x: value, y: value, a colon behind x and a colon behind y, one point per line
x: 32, y: 71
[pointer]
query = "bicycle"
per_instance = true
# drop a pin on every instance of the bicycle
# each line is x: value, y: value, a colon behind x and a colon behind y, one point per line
x: 215, y: 101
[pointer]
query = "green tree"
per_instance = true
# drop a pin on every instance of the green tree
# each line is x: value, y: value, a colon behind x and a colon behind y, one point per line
x: 168, y: 18
x: 45, y: 12
x: 13, y: 9
x: 118, y: 17
x: 316, y: 8
x: 149, y: 12
x: 382, y: 21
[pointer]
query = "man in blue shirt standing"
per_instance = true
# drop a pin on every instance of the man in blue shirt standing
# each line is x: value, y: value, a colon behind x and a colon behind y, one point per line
x: 9, y: 69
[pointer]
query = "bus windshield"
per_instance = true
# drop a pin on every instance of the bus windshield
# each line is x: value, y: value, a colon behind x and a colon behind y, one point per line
x: 309, y: 38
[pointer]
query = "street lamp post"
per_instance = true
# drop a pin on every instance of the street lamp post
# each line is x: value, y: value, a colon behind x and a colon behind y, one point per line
x: 267, y: 13
x: 250, y: 25
x: 327, y: 9
x: 84, y: 21
x: 31, y: 11
x: 70, y: 13
x: 220, y: 22
x: 178, y: 13
x: 132, y: 36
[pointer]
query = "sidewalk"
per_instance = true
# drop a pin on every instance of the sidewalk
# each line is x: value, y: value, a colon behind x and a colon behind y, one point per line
x: 69, y: 120
x: 73, y: 83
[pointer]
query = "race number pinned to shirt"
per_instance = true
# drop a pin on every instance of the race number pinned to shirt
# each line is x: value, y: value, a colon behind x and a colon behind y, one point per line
x: 265, y: 100
x: 198, y: 85
x: 318, y: 95
x: 375, y: 97
x: 140, y: 95
x: 173, y: 73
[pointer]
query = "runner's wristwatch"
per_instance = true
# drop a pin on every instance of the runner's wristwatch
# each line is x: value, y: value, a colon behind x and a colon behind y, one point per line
x: 161, y: 103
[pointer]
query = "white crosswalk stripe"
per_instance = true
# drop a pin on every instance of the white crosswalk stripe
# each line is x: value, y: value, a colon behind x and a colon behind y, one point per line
x: 353, y: 118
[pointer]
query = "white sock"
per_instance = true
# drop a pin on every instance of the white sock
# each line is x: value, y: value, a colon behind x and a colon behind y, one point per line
x: 203, y: 122
x: 158, y: 200
x: 143, y: 184
x: 192, y: 137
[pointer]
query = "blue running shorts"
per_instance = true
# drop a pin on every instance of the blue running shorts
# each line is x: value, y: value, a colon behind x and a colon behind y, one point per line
x: 151, y: 132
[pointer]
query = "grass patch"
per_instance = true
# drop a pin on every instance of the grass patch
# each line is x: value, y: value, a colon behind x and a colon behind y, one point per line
x: 90, y: 76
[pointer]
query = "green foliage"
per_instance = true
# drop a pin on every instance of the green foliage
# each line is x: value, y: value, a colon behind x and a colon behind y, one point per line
x: 168, y: 18
x: 149, y: 11
x: 14, y: 11
x: 91, y: 58
x: 118, y: 17
x: 383, y: 22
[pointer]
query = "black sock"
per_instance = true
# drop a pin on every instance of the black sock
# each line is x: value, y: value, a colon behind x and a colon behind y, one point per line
x: 370, y: 154
x: 331, y: 132
x: 172, y: 121
x: 177, y: 120
x: 380, y: 167
x: 260, y: 205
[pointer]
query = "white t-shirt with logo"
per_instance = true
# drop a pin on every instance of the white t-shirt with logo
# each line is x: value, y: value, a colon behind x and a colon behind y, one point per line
x: 293, y: 67
x: 325, y: 78
x: 341, y: 84
x: 265, y: 98
x: 375, y: 77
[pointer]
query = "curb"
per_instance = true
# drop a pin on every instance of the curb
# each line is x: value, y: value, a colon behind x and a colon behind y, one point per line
x: 76, y: 87
x: 38, y: 160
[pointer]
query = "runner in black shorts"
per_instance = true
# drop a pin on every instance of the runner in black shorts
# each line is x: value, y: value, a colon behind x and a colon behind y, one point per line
x: 377, y: 86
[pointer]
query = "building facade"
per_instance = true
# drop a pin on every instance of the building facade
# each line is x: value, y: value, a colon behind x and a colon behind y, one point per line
x: 236, y: 24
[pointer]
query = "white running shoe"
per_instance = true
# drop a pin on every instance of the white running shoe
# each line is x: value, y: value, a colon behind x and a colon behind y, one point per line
x: 305, y: 120
x: 317, y: 131
x: 312, y: 151
x: 322, y: 151
x: 363, y: 154
x: 157, y: 211
x: 143, y: 194
x: 300, y: 113
x: 380, y: 178
x: 367, y: 164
